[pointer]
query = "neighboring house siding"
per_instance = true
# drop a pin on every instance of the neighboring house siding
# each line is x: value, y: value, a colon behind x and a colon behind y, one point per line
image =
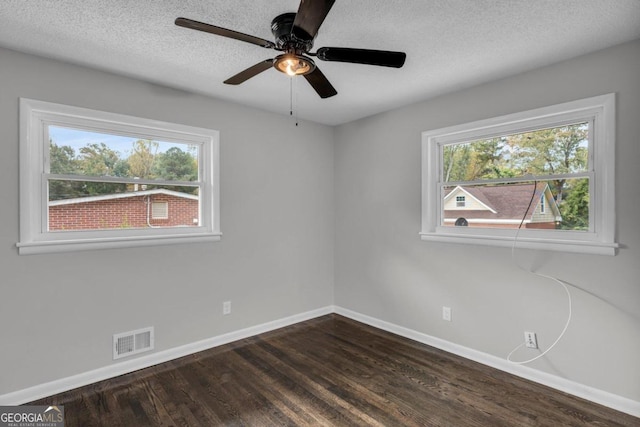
x: 470, y: 204
x: 547, y: 216
x: 541, y: 220
x: 130, y: 212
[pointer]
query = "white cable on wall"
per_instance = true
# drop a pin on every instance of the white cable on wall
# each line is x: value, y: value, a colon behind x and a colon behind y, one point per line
x: 560, y: 282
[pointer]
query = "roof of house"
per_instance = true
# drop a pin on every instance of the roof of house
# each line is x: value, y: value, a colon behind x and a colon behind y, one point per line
x: 504, y: 201
x: 122, y: 196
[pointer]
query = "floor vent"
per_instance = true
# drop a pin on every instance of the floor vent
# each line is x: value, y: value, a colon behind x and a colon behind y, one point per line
x: 134, y: 342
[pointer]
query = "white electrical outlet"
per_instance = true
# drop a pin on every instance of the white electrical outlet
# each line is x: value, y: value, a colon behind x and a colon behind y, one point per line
x: 446, y: 313
x: 226, y: 307
x: 530, y: 340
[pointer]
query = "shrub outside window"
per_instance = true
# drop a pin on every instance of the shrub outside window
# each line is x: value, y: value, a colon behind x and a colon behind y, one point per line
x: 545, y: 176
x: 91, y: 179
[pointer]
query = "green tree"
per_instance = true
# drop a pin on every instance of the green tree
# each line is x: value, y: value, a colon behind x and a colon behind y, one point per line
x: 63, y: 161
x: 121, y: 168
x: 489, y: 156
x: 551, y: 151
x: 457, y: 159
x: 575, y: 207
x: 477, y: 159
x: 99, y: 160
x: 142, y: 158
x: 176, y: 165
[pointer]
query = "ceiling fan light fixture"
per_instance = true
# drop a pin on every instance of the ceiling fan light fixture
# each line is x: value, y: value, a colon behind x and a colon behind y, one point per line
x: 294, y: 35
x: 293, y: 65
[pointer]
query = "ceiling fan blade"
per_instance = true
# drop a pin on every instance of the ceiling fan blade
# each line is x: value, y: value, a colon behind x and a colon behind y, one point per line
x: 311, y: 14
x: 208, y: 28
x: 320, y: 83
x: 384, y: 58
x: 252, y: 71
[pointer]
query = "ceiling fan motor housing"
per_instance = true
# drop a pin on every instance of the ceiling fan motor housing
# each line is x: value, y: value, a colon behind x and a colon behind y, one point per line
x: 297, y: 42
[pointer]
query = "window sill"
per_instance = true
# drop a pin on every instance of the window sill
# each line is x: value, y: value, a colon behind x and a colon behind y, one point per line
x: 572, y: 246
x: 41, y: 247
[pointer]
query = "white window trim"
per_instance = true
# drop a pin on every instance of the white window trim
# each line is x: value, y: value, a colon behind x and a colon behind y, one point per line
x: 35, y: 116
x: 601, y: 237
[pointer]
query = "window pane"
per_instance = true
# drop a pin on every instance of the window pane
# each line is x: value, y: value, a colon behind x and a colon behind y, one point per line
x: 101, y: 205
x: 81, y: 152
x: 574, y: 205
x: 551, y: 151
x: 549, y: 205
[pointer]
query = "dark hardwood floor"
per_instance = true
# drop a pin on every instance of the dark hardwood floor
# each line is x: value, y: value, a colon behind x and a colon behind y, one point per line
x: 327, y: 371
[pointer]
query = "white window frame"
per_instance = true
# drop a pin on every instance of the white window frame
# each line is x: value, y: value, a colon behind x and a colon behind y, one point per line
x: 600, y: 239
x: 36, y: 116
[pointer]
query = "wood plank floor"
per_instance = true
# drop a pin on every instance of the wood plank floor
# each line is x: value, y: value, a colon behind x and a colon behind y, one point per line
x: 328, y: 371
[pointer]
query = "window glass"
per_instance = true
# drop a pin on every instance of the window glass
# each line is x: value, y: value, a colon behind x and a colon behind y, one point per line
x: 485, y: 169
x: 82, y: 152
x: 551, y: 151
x: 76, y: 204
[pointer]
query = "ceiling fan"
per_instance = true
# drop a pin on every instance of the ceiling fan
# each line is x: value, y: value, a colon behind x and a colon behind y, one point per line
x: 294, y: 34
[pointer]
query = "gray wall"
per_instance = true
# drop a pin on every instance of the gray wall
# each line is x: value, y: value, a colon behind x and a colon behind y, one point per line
x: 58, y: 312
x: 283, y: 199
x: 384, y: 270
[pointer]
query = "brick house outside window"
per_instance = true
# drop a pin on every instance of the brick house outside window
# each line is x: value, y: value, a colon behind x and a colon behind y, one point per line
x: 125, y: 210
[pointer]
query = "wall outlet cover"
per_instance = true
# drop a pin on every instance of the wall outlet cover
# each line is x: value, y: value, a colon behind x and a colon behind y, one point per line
x: 446, y: 313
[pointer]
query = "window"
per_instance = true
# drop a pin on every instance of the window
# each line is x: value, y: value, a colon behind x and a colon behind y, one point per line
x: 160, y: 210
x: 91, y: 179
x: 545, y: 177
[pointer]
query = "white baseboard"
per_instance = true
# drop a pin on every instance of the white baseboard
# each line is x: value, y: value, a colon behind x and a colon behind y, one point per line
x: 64, y: 384
x: 601, y: 397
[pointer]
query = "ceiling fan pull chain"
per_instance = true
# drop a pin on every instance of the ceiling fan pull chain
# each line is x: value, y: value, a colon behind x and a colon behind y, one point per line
x: 295, y: 90
x: 291, y: 103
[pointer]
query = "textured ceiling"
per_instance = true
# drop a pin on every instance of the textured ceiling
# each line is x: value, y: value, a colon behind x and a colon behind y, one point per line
x: 450, y: 44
